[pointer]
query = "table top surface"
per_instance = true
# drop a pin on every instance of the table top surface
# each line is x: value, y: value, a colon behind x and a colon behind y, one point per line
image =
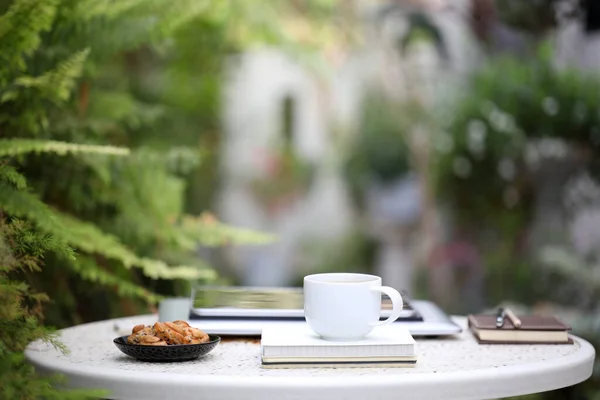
x: 452, y: 367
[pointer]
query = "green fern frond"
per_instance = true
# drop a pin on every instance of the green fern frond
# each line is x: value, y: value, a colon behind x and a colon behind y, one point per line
x: 29, y: 245
x: 158, y: 269
x: 106, y: 9
x: 21, y: 381
x: 11, y: 175
x: 124, y: 24
x: 55, y: 85
x: 178, y: 13
x: 20, y: 29
x: 87, y: 237
x: 184, y: 160
x: 7, y: 259
x: 89, y: 270
x: 113, y: 106
x: 20, y: 203
x: 13, y: 147
x: 210, y: 232
x: 10, y: 290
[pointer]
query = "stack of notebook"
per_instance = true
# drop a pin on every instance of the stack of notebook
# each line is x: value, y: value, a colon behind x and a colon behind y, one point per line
x: 528, y: 329
x: 293, y: 346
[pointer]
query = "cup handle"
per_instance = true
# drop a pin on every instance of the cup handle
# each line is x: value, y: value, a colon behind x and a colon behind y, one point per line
x: 397, y: 304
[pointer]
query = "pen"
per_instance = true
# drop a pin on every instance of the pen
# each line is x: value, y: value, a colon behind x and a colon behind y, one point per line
x: 513, y: 318
x: 500, y: 318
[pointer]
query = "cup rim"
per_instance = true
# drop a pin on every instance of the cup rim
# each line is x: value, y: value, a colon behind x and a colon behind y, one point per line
x: 315, y: 278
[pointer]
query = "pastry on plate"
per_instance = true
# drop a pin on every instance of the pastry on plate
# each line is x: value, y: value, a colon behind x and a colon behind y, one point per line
x: 166, y: 333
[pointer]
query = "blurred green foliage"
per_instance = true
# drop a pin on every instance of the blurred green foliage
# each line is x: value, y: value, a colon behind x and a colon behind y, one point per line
x: 20, y: 314
x: 520, y: 117
x: 355, y: 251
x: 125, y: 68
x: 379, y: 151
x: 509, y: 106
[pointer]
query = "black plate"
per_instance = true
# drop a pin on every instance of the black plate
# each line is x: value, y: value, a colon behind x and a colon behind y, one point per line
x: 176, y: 352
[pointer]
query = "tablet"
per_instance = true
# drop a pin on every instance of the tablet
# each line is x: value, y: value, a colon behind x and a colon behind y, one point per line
x: 275, y: 302
x: 241, y: 311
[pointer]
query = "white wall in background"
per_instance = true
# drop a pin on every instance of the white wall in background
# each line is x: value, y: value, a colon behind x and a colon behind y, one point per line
x: 574, y: 47
x: 256, y: 85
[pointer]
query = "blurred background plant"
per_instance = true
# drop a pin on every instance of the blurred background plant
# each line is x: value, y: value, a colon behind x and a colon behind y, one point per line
x: 522, y: 126
x: 516, y: 168
x: 288, y: 177
x: 379, y: 152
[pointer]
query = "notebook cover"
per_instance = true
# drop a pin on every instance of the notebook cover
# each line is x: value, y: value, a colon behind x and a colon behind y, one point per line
x: 570, y: 341
x: 336, y: 360
x: 528, y: 323
x: 292, y: 335
x: 299, y: 341
x: 364, y: 364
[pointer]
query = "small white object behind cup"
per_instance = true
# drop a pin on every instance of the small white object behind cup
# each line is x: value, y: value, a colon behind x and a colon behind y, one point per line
x: 174, y: 308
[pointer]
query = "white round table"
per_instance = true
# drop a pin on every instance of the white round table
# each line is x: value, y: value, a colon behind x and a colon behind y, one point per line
x: 450, y: 368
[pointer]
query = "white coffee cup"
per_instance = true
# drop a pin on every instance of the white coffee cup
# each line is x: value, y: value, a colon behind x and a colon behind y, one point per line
x: 346, y: 306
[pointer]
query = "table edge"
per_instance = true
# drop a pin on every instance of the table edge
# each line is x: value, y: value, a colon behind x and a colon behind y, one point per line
x: 475, y: 384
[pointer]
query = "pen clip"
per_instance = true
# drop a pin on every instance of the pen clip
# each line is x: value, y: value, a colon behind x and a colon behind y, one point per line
x: 500, y: 318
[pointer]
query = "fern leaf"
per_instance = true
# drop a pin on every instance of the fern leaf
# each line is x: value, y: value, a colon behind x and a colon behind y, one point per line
x: 87, y: 269
x: 129, y: 23
x: 20, y: 203
x: 106, y: 9
x: 115, y: 106
x: 11, y: 175
x: 20, y: 29
x: 7, y: 259
x: 210, y: 232
x: 30, y: 246
x: 178, y: 13
x: 55, y: 85
x: 87, y: 237
x: 13, y: 147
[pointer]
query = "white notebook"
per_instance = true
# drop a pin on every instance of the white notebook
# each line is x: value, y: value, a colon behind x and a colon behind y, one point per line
x: 298, y: 340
